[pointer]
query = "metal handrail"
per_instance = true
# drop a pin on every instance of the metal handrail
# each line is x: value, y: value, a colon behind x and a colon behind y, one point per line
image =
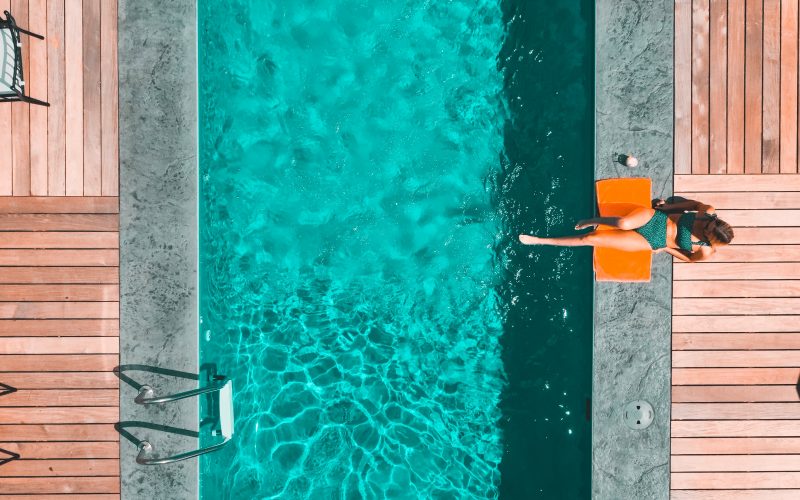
x: 147, y: 396
x: 146, y: 449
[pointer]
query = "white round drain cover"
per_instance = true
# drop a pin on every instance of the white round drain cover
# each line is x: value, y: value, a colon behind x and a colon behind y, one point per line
x: 638, y: 415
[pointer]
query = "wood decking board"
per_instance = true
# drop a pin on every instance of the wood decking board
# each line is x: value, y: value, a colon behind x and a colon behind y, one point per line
x: 737, y: 428
x: 734, y: 376
x: 733, y: 341
x: 782, y: 494
x: 72, y: 146
x: 683, y: 86
x: 59, y: 328
x: 59, y: 258
x: 700, y: 86
x: 79, y: 467
x: 736, y: 318
x: 20, y: 118
x: 735, y: 102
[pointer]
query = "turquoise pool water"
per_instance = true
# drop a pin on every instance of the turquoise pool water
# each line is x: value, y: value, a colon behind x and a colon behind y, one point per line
x: 361, y: 190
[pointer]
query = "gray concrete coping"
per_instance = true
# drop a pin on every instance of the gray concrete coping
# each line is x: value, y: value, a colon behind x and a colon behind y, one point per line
x: 158, y: 231
x: 632, y: 321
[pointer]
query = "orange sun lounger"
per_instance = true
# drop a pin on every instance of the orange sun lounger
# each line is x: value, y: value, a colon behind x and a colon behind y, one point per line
x: 617, y: 198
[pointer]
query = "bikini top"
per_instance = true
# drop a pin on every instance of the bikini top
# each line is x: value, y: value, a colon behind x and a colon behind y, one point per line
x: 684, y: 236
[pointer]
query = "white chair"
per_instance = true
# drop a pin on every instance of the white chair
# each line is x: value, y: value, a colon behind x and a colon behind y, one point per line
x: 12, y: 80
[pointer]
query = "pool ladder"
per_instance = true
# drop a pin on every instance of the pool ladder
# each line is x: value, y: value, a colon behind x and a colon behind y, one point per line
x: 223, y: 411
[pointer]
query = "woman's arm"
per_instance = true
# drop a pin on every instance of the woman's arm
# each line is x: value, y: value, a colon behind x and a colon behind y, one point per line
x: 675, y: 253
x: 702, y: 253
x: 691, y: 205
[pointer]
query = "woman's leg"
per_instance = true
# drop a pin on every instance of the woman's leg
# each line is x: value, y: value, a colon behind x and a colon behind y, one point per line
x: 629, y: 241
x: 633, y: 220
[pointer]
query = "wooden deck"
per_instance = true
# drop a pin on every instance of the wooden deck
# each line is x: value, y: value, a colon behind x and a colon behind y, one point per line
x: 59, y: 258
x: 735, y: 430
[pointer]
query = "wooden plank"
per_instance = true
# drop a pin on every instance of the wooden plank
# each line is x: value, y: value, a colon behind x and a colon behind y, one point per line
x: 725, y: 271
x: 735, y: 324
x: 61, y: 415
x: 59, y: 345
x: 771, y: 81
x: 58, y: 468
x: 60, y: 205
x: 736, y: 411
x: 59, y: 275
x: 789, y: 87
x: 747, y: 183
x: 744, y: 200
x: 735, y: 376
x: 6, y: 160
x: 734, y: 494
x: 735, y: 428
x: 58, y: 363
x: 736, y: 113
x: 59, y: 327
x: 733, y: 463
x: 730, y: 394
x: 700, y: 81
x: 66, y: 240
x: 92, y: 138
x: 73, y: 40
x: 60, y: 380
x: 20, y: 117
x: 734, y: 480
x: 59, y: 222
x: 734, y: 341
x: 64, y: 485
x: 683, y: 87
x: 55, y: 293
x: 59, y: 310
x: 114, y: 496
x: 753, y: 86
x: 718, y: 88
x: 110, y: 99
x: 37, y: 88
x: 760, y: 218
x: 730, y: 359
x: 58, y: 432
x: 753, y: 253
x: 59, y: 258
x: 736, y: 288
x: 766, y: 235
x: 61, y: 397
x: 734, y: 306
x: 735, y: 446
x: 56, y: 95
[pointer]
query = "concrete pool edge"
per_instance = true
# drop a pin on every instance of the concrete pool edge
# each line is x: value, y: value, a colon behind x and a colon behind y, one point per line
x: 632, y: 322
x: 158, y: 229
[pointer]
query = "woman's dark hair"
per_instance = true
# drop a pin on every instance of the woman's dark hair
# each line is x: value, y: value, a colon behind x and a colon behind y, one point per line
x: 718, y: 230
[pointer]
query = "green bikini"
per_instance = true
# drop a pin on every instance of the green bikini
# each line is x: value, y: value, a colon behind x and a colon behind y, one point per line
x: 655, y: 231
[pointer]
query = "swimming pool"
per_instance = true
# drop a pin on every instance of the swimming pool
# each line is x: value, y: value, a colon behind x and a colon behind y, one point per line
x: 365, y: 168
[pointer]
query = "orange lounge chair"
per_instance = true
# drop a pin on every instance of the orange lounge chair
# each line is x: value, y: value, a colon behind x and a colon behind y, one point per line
x: 617, y: 198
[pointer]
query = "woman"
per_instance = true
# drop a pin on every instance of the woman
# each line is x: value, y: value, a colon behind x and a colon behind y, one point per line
x: 686, y: 229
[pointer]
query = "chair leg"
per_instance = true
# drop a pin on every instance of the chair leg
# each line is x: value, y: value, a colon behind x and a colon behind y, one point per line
x: 29, y: 33
x: 31, y: 100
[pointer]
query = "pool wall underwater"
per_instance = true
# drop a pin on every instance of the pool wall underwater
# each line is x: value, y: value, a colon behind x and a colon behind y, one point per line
x: 365, y: 169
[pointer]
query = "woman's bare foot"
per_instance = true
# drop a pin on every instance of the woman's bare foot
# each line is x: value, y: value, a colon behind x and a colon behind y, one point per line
x: 582, y: 224
x: 527, y: 239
